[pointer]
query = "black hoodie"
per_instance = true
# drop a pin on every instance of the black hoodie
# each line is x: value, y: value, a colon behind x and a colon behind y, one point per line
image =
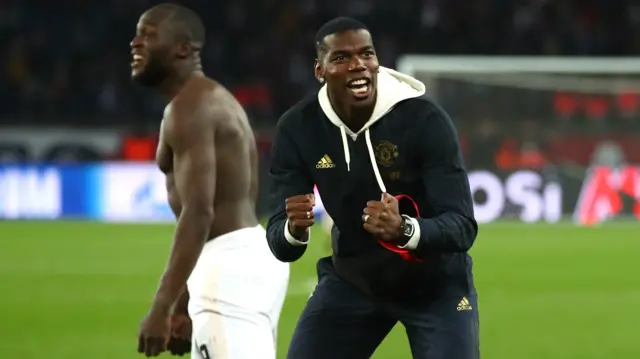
x: 410, y: 147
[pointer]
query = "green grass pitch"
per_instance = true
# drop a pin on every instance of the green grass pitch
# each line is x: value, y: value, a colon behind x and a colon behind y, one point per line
x: 76, y: 290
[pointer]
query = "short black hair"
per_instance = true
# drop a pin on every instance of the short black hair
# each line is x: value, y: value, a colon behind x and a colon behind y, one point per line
x: 334, y: 26
x: 188, y: 25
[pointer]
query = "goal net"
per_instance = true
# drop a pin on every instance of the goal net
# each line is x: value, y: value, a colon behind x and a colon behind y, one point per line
x: 584, y: 113
x: 580, y: 94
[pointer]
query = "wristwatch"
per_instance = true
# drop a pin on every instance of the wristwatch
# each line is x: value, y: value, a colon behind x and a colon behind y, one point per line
x: 407, y: 229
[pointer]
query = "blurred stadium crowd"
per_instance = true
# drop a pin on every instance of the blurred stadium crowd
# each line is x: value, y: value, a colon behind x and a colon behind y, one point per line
x: 69, y: 59
x: 66, y: 63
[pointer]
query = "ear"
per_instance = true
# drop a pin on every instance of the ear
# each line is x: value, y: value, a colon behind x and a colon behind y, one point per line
x: 184, y: 50
x: 318, y: 71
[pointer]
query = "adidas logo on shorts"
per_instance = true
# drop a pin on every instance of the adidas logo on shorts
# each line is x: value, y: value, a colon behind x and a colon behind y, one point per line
x: 464, y: 305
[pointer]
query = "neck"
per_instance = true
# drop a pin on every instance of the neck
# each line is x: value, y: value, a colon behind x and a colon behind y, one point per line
x: 172, y: 85
x: 353, y: 116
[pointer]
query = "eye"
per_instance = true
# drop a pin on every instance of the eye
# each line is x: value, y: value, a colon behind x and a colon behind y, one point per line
x: 368, y: 53
x: 339, y: 58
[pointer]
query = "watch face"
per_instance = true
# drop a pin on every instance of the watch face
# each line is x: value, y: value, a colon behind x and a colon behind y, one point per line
x: 408, y: 228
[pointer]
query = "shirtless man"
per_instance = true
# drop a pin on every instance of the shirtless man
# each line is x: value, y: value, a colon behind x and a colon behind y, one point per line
x: 219, y: 256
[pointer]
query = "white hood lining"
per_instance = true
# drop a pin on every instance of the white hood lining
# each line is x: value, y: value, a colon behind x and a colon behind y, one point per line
x: 393, y: 87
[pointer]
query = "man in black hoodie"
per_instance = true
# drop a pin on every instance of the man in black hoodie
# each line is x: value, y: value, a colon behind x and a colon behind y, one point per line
x: 387, y: 164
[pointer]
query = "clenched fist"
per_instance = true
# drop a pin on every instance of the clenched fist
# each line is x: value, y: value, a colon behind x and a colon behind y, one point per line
x: 300, y: 214
x: 382, y: 218
x: 180, y: 340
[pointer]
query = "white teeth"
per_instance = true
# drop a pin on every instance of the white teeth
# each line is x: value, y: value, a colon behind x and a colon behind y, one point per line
x: 359, y: 87
x: 137, y: 57
x: 358, y: 82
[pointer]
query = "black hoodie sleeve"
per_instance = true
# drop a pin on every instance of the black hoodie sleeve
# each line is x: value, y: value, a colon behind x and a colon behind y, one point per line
x: 289, y: 177
x: 445, y: 179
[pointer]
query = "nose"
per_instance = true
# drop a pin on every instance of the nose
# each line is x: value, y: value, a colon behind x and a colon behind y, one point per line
x: 135, y: 42
x: 356, y: 64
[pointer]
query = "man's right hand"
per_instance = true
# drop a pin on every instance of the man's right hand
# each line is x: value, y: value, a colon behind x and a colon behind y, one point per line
x: 300, y: 214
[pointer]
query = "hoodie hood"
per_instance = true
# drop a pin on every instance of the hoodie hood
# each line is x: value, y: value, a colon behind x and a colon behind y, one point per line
x: 392, y: 87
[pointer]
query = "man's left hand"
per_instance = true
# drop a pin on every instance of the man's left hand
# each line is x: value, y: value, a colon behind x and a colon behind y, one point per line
x: 382, y: 218
x: 180, y: 342
x: 154, y: 333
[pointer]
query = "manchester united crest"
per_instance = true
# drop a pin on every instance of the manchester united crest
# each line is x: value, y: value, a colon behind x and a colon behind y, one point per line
x: 386, y: 153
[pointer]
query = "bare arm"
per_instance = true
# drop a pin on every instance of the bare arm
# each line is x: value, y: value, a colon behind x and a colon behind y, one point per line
x: 182, y: 304
x: 191, y: 137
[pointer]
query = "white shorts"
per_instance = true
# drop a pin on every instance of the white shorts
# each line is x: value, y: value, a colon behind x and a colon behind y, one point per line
x: 236, y: 294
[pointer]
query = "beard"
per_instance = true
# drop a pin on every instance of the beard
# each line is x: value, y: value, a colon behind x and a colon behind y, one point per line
x: 153, y: 73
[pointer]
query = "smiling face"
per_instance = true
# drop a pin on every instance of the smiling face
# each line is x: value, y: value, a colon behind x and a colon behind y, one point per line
x: 349, y: 65
x: 152, y: 49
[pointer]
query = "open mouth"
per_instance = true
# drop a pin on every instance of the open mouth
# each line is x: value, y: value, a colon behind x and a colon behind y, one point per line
x: 359, y: 87
x: 137, y: 61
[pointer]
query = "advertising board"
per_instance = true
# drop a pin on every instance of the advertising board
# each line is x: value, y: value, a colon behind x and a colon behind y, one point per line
x: 136, y: 192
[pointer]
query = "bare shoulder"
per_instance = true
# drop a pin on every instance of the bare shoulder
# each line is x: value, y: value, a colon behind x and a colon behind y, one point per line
x: 201, y: 106
x: 207, y: 97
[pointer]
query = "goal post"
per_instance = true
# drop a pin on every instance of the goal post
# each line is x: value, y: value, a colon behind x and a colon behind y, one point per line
x: 586, y: 109
x: 595, y: 75
x: 410, y: 64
